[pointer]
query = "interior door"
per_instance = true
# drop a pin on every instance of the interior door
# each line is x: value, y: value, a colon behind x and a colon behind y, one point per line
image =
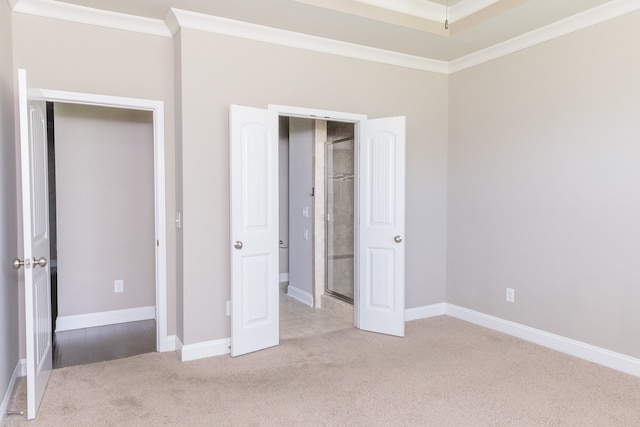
x: 255, y: 320
x: 380, y: 263
x: 35, y: 217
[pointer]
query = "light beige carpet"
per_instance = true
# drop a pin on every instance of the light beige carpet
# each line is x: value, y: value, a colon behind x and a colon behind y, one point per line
x: 445, y: 372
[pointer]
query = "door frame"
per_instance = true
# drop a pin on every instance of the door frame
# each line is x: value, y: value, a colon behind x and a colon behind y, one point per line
x: 336, y: 116
x: 163, y: 343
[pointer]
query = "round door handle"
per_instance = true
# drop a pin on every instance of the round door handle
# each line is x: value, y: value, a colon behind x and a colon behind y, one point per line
x: 42, y: 261
x: 238, y: 244
x: 17, y: 263
x: 398, y: 239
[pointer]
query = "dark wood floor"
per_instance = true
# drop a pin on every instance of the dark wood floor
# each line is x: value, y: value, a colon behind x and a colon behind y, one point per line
x: 83, y: 346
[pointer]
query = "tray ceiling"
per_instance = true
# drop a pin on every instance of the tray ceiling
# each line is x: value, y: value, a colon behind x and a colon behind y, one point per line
x: 413, y: 27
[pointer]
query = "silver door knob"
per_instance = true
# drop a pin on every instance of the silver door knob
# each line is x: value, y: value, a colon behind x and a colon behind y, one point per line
x: 238, y: 244
x: 398, y: 239
x: 17, y: 263
x: 42, y: 262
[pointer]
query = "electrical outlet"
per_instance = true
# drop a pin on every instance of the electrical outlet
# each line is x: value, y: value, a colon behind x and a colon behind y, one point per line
x: 118, y: 286
x: 511, y: 295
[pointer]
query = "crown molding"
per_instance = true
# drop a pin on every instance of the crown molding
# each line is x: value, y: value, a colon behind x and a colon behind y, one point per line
x: 431, y: 10
x: 87, y: 15
x: 588, y: 18
x: 420, y: 8
x: 177, y: 18
x: 465, y: 8
x: 230, y: 27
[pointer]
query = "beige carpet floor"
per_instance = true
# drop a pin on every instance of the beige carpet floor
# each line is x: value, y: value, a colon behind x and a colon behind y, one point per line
x: 445, y: 372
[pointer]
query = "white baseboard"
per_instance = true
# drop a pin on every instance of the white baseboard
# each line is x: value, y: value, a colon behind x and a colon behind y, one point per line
x: 302, y: 296
x: 19, y: 371
x: 179, y: 345
x: 424, y: 312
x: 284, y: 277
x: 204, y: 349
x: 591, y: 353
x: 170, y: 343
x: 90, y: 320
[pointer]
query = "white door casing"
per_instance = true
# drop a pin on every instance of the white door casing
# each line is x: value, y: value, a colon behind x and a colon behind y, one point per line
x: 380, y: 255
x: 253, y: 151
x: 35, y: 217
x: 163, y: 341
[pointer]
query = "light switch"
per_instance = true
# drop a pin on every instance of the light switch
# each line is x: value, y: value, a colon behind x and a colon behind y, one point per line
x: 305, y: 211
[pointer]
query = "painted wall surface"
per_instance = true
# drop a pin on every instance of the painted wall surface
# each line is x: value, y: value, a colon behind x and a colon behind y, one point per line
x: 92, y: 59
x: 544, y: 184
x: 8, y: 206
x: 301, y: 140
x: 179, y: 290
x: 256, y: 74
x: 105, y: 206
x: 283, y: 188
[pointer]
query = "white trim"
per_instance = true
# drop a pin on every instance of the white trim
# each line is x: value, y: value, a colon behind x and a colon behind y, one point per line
x: 178, y: 346
x: 601, y: 356
x: 465, y: 8
x: 552, y: 31
x: 284, y: 277
x: 302, y: 296
x: 87, y: 15
x: 313, y: 113
x: 157, y: 108
x: 177, y: 18
x: 172, y: 343
x: 429, y: 10
x: 424, y: 312
x: 21, y: 366
x: 230, y: 27
x: 420, y: 8
x: 204, y: 349
x: 90, y: 320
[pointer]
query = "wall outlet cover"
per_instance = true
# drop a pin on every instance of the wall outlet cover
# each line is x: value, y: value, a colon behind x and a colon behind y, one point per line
x: 511, y: 295
x: 118, y: 286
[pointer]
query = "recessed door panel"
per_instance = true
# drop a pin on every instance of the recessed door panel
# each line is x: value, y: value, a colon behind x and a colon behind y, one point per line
x: 254, y: 229
x: 381, y: 231
x: 35, y: 229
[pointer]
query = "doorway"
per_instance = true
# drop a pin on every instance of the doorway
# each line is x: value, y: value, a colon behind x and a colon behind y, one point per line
x: 156, y: 108
x: 101, y: 202
x: 317, y: 208
x: 317, y: 235
x: 254, y: 251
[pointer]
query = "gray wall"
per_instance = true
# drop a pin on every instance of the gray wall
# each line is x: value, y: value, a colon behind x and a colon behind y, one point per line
x: 256, y: 74
x: 301, y: 140
x: 105, y: 206
x: 283, y: 188
x: 540, y: 149
x: 544, y: 184
x: 8, y: 220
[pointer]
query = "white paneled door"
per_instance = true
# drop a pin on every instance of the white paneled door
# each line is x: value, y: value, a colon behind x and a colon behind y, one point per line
x: 35, y: 217
x: 255, y: 320
x: 380, y: 263
x: 379, y: 298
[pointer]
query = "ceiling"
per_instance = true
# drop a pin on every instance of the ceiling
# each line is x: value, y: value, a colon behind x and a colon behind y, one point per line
x: 414, y: 27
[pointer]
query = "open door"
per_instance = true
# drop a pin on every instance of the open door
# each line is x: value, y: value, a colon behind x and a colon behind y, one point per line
x: 381, y: 192
x: 255, y: 320
x: 35, y: 220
